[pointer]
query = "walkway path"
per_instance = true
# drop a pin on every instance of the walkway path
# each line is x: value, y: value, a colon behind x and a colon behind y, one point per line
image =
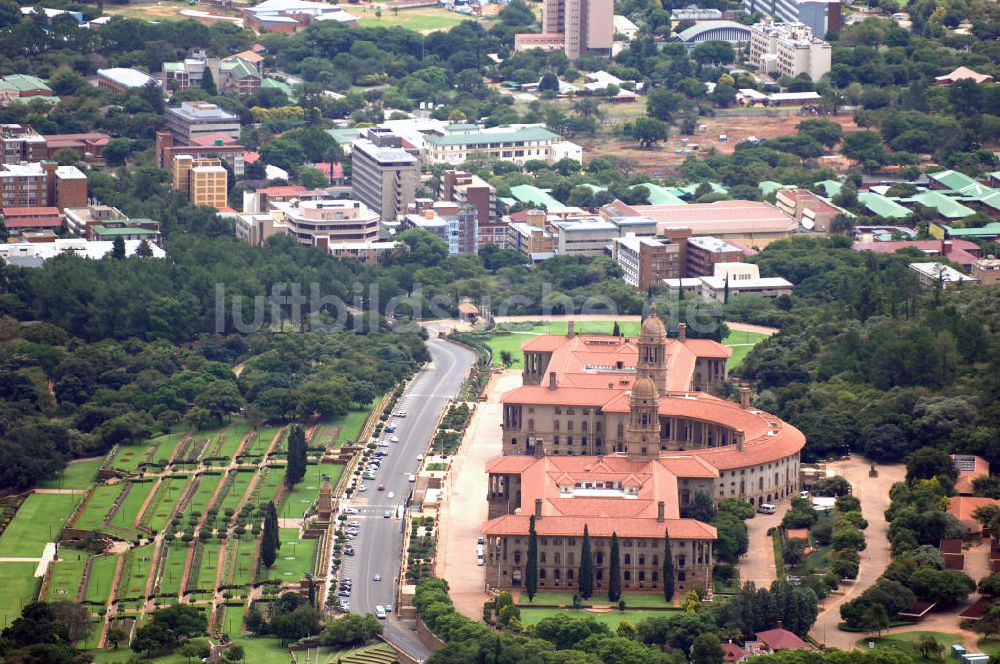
x: 464, y: 504
x: 63, y: 491
x: 758, y: 564
x: 873, y: 492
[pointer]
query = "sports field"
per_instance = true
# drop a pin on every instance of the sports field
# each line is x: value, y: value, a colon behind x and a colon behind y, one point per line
x: 422, y: 19
x: 740, y: 342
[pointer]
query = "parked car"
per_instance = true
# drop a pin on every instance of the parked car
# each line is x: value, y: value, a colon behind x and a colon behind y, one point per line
x: 377, y: 577
x: 412, y: 478
x: 420, y: 457
x: 351, y: 510
x: 363, y: 487
x: 381, y: 487
x: 387, y: 514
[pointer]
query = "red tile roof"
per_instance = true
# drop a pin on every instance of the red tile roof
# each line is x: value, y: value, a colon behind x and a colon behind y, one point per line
x: 566, y: 526
x: 732, y: 652
x: 210, y: 140
x: 962, y: 252
x: 250, y: 157
x: 962, y: 507
x: 781, y: 639
x: 720, y: 217
x: 283, y: 190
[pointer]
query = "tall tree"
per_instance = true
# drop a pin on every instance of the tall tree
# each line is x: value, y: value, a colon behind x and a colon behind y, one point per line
x: 296, y: 469
x: 586, y: 580
x: 615, y: 571
x: 270, y: 539
x: 208, y: 82
x: 118, y: 248
x: 668, y: 567
x: 617, y: 330
x: 531, y: 565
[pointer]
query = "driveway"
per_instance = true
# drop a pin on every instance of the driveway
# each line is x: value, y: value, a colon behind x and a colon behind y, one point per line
x: 873, y: 492
x: 464, y: 507
x: 757, y: 564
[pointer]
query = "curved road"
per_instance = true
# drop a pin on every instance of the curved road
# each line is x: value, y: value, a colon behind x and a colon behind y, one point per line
x: 380, y: 543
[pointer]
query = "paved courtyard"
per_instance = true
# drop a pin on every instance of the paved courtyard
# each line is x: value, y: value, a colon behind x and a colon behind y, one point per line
x: 464, y: 509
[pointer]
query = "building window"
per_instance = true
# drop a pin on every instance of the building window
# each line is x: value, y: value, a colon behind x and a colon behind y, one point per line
x: 628, y: 558
x: 541, y: 574
x: 627, y: 575
x: 541, y: 557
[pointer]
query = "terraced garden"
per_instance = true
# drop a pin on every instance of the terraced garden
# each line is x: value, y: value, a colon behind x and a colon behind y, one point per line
x: 179, y: 496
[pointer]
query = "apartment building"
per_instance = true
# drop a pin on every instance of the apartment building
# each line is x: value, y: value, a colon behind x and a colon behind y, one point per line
x: 323, y: 224
x: 789, y: 49
x: 458, y: 225
x: 21, y: 143
x: 240, y: 74
x: 42, y: 184
x: 103, y: 222
x: 647, y: 261
x: 184, y: 75
x: 384, y: 176
x: 18, y: 220
x: 703, y: 253
x: 123, y: 79
x: 820, y: 16
x: 734, y: 279
x: 586, y: 26
x: 986, y: 271
x: 198, y: 119
x: 519, y: 144
x: 204, y: 181
x: 584, y: 237
x: 219, y: 146
x: 256, y: 228
x: 468, y: 189
x: 531, y: 237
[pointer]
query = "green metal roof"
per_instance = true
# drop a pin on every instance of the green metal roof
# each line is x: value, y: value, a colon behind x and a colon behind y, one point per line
x: 991, y: 229
x: 480, y: 138
x: 952, y: 179
x: 690, y: 189
x: 344, y: 136
x: 26, y: 82
x: 946, y: 207
x: 884, y: 207
x: 123, y: 230
x: 532, y: 195
x: 592, y: 187
x: 831, y: 187
x: 240, y: 68
x: 173, y: 66
x: 768, y: 187
x: 661, y: 195
x: 277, y: 85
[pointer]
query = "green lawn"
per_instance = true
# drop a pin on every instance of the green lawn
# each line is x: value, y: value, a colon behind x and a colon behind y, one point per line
x: 130, y: 457
x: 350, y: 425
x: 231, y: 622
x: 97, y: 507
x: 157, y: 514
x: 203, y: 494
x: 295, y: 502
x: 531, y: 616
x: 261, y: 440
x: 906, y: 641
x: 271, y: 482
x: 173, y: 568
x: 166, y: 446
x: 295, y: 557
x: 132, y: 505
x: 102, y: 573
x: 132, y: 584
x: 239, y: 560
x: 241, y: 482
x: 20, y: 587
x: 208, y: 566
x: 551, y: 597
x: 741, y: 342
x: 422, y: 19
x: 76, y: 475
x: 232, y: 438
x: 66, y: 575
x: 36, y: 523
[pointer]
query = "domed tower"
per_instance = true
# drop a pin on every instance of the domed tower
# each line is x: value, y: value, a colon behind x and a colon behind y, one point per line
x: 642, y: 434
x: 652, y: 361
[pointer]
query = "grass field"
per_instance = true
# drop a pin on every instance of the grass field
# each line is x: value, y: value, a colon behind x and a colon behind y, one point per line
x: 231, y: 439
x: 741, y: 342
x: 20, y: 587
x: 97, y: 507
x: 67, y: 573
x: 173, y: 568
x: 270, y: 484
x: 36, y: 523
x: 261, y: 441
x: 906, y: 641
x: 295, y: 502
x: 132, y: 505
x: 132, y: 584
x: 208, y: 565
x: 165, y: 447
x: 350, y: 425
x: 241, y: 482
x: 203, y: 494
x: 239, y: 561
x: 157, y: 514
x: 531, y: 616
x: 421, y: 19
x: 102, y: 573
x: 295, y: 557
x: 76, y: 475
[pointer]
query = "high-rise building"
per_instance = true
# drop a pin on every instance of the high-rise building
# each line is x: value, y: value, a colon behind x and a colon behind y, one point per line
x: 195, y: 119
x: 326, y: 223
x: 646, y: 261
x: 587, y: 26
x: 384, y: 176
x: 789, y: 49
x: 469, y: 189
x: 455, y: 224
x: 204, y: 181
x: 820, y: 16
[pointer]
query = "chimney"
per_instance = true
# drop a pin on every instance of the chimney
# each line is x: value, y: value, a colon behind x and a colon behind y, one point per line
x: 427, y: 213
x: 739, y: 439
x: 553, y: 383
x: 538, y: 509
x: 570, y: 330
x: 661, y: 511
x: 539, y: 448
x: 682, y: 331
x: 744, y: 396
x: 779, y: 625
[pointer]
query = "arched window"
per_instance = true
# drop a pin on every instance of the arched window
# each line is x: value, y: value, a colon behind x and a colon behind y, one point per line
x: 627, y: 575
x: 556, y: 574
x: 628, y: 558
x: 642, y: 560
x: 557, y: 558
x: 541, y: 557
x: 642, y: 576
x: 569, y: 425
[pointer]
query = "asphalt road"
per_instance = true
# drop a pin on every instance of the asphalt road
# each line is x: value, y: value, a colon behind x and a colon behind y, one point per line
x: 380, y: 543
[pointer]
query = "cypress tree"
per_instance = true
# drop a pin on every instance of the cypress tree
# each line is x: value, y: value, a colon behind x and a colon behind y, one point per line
x: 586, y: 566
x: 270, y: 540
x: 615, y: 572
x: 531, y: 566
x: 668, y: 567
x: 296, y: 469
x: 118, y: 248
x: 616, y: 332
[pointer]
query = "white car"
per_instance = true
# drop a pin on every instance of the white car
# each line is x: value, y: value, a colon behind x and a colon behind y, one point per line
x: 394, y: 438
x: 420, y: 457
x: 363, y: 487
x: 390, y: 495
x: 351, y: 510
x: 412, y: 478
